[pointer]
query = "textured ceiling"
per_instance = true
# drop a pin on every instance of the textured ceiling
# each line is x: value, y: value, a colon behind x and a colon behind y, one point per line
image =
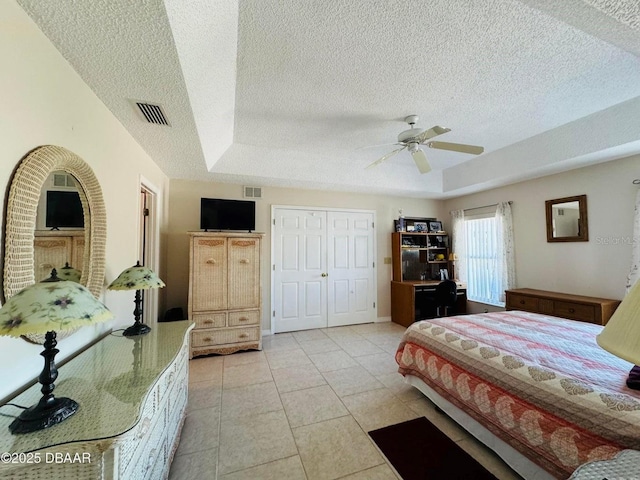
x: 288, y: 92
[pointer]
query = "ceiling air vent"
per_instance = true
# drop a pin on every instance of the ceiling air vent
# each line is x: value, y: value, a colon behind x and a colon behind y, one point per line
x: 152, y: 113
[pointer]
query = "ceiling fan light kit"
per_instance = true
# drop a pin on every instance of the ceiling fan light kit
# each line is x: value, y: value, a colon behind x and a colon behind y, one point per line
x: 414, y: 137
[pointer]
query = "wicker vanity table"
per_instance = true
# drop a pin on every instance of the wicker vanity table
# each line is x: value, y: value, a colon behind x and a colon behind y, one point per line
x: 132, y: 393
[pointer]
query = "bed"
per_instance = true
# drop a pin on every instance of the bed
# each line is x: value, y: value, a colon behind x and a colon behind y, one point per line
x: 536, y: 389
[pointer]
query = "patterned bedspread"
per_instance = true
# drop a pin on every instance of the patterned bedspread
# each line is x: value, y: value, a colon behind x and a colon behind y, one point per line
x: 539, y: 383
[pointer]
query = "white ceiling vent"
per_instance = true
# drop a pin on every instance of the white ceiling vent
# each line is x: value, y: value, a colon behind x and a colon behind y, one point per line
x: 252, y: 192
x: 151, y: 113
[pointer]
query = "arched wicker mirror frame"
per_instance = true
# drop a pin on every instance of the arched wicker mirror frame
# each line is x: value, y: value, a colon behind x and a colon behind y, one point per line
x: 20, y: 224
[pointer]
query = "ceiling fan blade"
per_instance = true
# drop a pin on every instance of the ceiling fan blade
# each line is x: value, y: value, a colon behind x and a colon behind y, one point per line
x: 421, y: 161
x: 387, y: 156
x: 378, y: 146
x: 457, y: 147
x: 432, y: 132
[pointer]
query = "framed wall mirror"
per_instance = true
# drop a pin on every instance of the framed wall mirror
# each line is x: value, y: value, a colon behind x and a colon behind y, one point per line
x: 23, y: 236
x: 567, y: 219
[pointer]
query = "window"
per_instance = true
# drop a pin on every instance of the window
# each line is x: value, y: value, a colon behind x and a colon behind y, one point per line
x: 483, y: 281
x: 483, y: 243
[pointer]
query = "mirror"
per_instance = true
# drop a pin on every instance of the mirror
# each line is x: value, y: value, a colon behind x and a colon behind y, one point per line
x: 27, y: 183
x: 567, y: 219
x: 59, y: 236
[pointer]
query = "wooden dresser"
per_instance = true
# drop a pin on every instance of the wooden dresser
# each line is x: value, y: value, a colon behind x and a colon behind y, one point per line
x: 225, y: 294
x: 575, y: 307
x: 132, y: 393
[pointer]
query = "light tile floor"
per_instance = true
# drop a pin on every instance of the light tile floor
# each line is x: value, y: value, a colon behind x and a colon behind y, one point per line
x: 301, y: 409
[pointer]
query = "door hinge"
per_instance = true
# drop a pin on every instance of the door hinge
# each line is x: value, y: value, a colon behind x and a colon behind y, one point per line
x: 274, y: 221
x: 374, y: 264
x: 374, y: 304
x: 145, y: 212
x: 274, y: 313
x: 274, y: 267
x: 373, y: 224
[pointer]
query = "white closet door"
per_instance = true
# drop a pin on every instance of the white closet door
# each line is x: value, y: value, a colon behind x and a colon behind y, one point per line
x: 323, y: 268
x: 351, y: 271
x: 299, y: 279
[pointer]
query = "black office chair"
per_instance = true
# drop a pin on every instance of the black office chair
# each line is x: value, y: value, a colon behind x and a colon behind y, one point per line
x: 446, y: 296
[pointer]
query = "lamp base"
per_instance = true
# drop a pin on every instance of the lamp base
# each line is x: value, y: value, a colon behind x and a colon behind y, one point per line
x: 633, y: 380
x: 137, y: 329
x: 39, y: 417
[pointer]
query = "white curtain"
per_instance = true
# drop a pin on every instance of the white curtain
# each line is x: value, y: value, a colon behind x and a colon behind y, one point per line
x: 634, y: 271
x: 506, y: 253
x: 458, y: 246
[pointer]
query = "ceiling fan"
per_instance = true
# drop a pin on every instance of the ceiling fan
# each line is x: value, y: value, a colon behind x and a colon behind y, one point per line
x: 414, y: 137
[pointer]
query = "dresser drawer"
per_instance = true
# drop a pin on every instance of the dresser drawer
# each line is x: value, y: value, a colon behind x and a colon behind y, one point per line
x: 574, y: 311
x: 522, y: 302
x: 206, y: 338
x: 237, y: 319
x: 210, y: 320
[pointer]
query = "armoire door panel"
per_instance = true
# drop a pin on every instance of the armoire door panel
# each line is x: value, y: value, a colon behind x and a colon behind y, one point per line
x: 209, y: 292
x: 243, y: 264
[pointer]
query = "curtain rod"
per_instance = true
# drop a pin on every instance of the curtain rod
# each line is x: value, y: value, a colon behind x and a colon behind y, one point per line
x: 485, y: 206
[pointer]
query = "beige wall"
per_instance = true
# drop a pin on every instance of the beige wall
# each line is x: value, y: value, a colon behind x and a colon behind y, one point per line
x: 184, y: 215
x: 44, y: 102
x: 598, y: 267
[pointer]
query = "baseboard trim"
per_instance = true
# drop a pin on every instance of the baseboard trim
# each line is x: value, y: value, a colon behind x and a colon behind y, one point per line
x: 382, y: 319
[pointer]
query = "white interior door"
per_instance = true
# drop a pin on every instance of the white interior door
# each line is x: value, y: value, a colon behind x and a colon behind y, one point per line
x: 323, y: 268
x: 351, y: 269
x: 299, y: 275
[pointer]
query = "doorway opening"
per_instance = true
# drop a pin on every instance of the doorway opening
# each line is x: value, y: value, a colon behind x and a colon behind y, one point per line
x: 148, y: 253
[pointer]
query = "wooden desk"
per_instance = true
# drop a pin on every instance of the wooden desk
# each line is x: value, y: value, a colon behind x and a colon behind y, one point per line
x: 414, y: 300
x: 132, y: 393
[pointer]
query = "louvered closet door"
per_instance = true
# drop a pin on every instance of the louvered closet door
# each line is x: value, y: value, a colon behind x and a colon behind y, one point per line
x: 244, y: 268
x: 209, y: 274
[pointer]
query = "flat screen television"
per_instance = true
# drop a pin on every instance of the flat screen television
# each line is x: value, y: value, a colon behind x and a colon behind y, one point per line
x: 64, y: 209
x: 222, y: 214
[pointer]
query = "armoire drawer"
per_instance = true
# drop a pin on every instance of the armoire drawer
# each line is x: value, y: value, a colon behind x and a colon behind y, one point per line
x: 206, y: 338
x: 210, y: 320
x: 237, y: 319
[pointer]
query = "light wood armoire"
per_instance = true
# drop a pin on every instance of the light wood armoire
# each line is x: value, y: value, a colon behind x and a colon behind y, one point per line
x: 225, y: 294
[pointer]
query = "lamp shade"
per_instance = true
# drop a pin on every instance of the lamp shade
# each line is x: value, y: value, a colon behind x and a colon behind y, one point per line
x: 51, y: 306
x: 137, y: 277
x: 621, y: 334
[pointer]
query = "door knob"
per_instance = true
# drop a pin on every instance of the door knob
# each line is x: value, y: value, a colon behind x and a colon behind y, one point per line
x: 325, y: 274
